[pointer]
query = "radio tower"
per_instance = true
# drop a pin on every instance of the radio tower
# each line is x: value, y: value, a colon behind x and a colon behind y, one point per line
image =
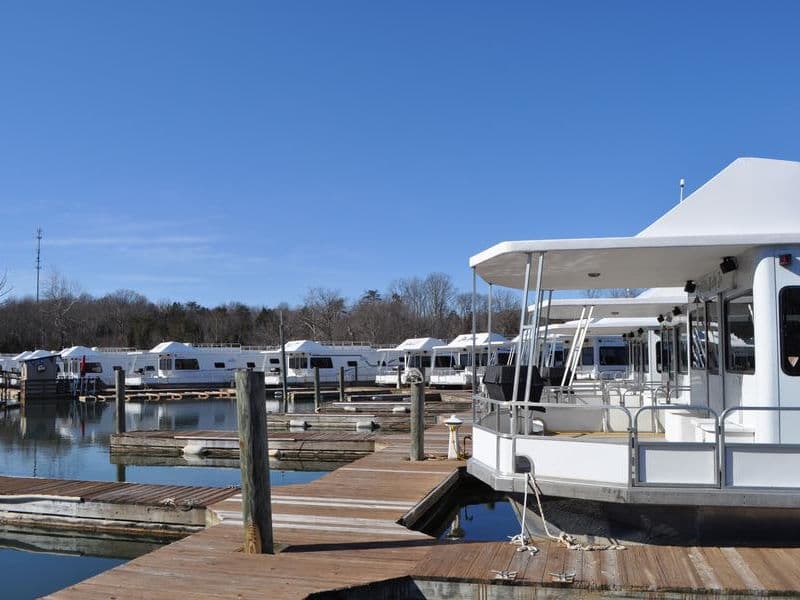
x: 38, y: 259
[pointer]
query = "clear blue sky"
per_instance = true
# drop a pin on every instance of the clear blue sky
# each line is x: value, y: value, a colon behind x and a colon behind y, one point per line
x: 218, y: 151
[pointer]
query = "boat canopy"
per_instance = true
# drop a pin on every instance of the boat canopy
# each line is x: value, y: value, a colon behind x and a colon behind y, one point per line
x: 606, y: 326
x: 570, y: 308
x: 170, y: 348
x: 754, y: 198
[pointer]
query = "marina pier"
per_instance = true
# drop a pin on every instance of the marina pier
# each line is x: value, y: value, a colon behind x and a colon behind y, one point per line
x: 351, y: 534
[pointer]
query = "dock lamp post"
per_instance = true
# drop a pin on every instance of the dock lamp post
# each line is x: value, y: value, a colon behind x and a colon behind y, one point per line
x: 453, y: 447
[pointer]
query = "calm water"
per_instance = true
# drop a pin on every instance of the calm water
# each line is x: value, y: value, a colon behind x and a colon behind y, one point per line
x: 71, y: 442
x: 483, y: 522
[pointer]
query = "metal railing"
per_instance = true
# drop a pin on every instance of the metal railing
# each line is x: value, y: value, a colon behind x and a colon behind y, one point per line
x: 514, y: 420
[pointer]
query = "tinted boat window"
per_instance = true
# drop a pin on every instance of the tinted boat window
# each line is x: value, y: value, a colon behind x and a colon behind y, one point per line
x: 740, y: 350
x: 323, y: 362
x: 712, y: 336
x: 186, y: 364
x: 790, y: 330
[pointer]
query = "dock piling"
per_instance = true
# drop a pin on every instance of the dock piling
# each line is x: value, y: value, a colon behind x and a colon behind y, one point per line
x: 399, y: 378
x: 119, y: 382
x: 251, y: 412
x: 341, y: 384
x: 317, y: 395
x: 417, y: 420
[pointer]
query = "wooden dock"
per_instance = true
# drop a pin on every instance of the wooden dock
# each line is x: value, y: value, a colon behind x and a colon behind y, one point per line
x: 162, y: 511
x: 347, y: 535
x: 339, y: 446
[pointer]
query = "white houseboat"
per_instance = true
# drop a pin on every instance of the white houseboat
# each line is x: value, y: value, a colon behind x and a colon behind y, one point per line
x: 359, y: 361
x: 413, y: 353
x: 177, y: 364
x: 716, y: 461
x: 453, y: 365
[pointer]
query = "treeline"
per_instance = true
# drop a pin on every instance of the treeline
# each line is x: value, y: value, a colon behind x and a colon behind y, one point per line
x: 412, y: 307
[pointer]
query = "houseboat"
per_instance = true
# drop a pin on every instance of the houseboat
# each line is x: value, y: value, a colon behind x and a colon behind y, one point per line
x: 413, y: 353
x: 177, y: 364
x: 716, y: 460
x: 453, y: 364
x: 360, y: 362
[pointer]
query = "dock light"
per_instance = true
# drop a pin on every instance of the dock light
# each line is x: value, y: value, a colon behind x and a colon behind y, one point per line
x: 453, y: 447
x: 676, y: 310
x: 660, y: 318
x: 785, y: 260
x: 690, y: 287
x: 728, y: 264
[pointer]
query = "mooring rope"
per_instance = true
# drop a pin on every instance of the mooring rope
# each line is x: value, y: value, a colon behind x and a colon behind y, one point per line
x: 564, y: 538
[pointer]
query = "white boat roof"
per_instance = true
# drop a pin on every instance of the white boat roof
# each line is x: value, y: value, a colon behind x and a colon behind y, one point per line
x: 312, y: 347
x: 755, y: 198
x: 481, y: 339
x: 36, y: 354
x: 22, y: 355
x: 77, y: 351
x: 425, y: 343
x: 606, y: 326
x: 170, y: 348
x: 570, y: 308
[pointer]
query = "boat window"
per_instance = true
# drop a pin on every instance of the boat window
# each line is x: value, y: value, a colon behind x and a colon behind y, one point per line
x: 712, y: 336
x: 680, y: 341
x: 658, y: 356
x: 252, y: 365
x: 352, y: 363
x: 740, y: 349
x: 272, y: 361
x: 164, y: 364
x: 117, y: 368
x: 186, y: 364
x: 219, y: 365
x: 93, y: 367
x: 323, y: 362
x: 790, y: 330
x: 587, y: 356
x: 697, y: 338
x: 664, y: 348
x: 298, y: 362
x: 443, y: 362
x: 613, y: 355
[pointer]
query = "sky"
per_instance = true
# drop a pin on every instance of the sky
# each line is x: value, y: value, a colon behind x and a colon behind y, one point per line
x: 248, y: 151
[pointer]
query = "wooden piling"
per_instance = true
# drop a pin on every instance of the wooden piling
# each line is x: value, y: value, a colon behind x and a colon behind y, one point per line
x: 119, y: 382
x: 417, y: 421
x: 341, y: 384
x: 399, y: 377
x: 284, y: 384
x: 251, y: 410
x: 317, y: 395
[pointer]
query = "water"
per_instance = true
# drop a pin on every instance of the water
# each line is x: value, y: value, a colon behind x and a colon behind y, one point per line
x: 71, y: 442
x: 483, y: 522
x: 56, y: 571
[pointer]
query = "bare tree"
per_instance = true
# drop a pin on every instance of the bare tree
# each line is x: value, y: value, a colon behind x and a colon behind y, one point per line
x: 5, y: 289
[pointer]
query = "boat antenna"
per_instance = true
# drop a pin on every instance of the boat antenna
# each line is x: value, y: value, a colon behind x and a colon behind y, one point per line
x: 682, y: 184
x: 38, y: 260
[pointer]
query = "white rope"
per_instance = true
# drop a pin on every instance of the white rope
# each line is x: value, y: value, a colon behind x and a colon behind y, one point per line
x: 564, y: 538
x: 522, y: 540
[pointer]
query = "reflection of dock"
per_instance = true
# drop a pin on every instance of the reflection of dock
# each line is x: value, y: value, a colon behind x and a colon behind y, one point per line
x: 196, y: 446
x: 126, y: 508
x: 77, y: 543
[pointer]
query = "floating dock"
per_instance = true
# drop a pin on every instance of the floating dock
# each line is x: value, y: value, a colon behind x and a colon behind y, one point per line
x: 336, y: 446
x: 163, y: 511
x: 351, y: 534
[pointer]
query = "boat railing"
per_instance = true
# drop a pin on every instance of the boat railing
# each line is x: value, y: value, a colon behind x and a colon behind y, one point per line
x: 657, y: 445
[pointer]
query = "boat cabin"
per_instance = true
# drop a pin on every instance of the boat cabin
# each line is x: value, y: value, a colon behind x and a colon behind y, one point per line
x: 360, y: 362
x: 413, y: 353
x: 453, y: 365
